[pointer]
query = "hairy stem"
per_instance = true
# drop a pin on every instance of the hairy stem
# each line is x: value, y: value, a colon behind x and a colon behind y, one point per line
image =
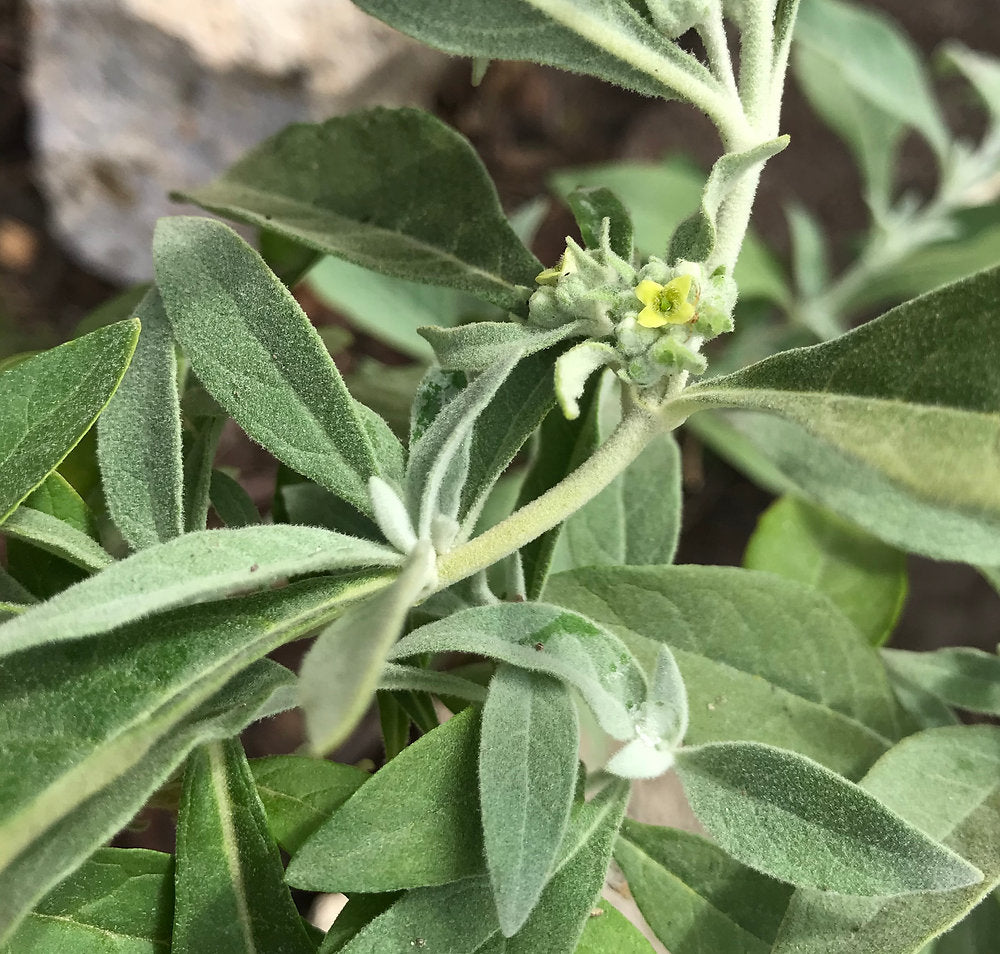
x: 713, y: 35
x: 636, y: 430
x: 678, y: 71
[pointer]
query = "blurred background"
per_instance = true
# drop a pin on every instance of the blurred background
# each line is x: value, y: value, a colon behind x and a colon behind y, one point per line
x: 106, y: 105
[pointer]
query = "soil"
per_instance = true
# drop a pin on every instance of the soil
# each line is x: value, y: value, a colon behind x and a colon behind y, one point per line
x: 527, y: 121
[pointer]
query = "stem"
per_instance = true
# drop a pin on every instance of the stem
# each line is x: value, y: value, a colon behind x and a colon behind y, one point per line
x: 713, y: 35
x: 757, y: 67
x: 684, y: 74
x: 627, y: 441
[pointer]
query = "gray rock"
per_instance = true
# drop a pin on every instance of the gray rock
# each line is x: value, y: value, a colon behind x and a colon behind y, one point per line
x: 133, y: 98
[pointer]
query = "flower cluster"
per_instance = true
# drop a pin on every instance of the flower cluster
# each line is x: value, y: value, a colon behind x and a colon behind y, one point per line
x: 648, y: 323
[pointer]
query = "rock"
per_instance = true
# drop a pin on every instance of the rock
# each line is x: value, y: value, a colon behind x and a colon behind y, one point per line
x: 133, y: 98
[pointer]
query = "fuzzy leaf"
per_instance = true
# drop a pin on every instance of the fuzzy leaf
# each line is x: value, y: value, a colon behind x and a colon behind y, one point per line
x: 299, y: 794
x: 789, y: 817
x: 608, y: 931
x: 231, y: 502
x: 482, y: 344
x: 49, y: 402
x: 197, y: 566
x: 514, y: 414
x: 962, y: 677
x: 439, y: 460
x: 389, y: 308
x: 863, y: 576
x: 529, y: 723
x: 255, y: 351
x: 460, y: 917
x: 139, y: 437
x: 694, y: 896
x: 340, y: 673
x: 981, y: 70
x: 562, y: 446
x: 590, y: 207
x: 694, y: 238
x: 762, y: 658
x: 345, y: 187
x: 636, y: 520
x: 122, y: 896
x: 129, y: 710
x: 414, y: 823
x: 849, y: 39
x: 230, y: 896
x: 957, y: 801
x: 605, y: 38
x: 56, y: 537
x: 573, y: 650
x: 910, y: 402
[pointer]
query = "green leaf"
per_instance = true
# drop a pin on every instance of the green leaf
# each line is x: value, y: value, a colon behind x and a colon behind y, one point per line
x: 482, y: 344
x: 962, y: 677
x: 605, y: 38
x: 981, y: 70
x: 56, y: 497
x: 360, y: 910
x: 394, y: 723
x: 438, y: 467
x: 120, y: 899
x: 871, y: 65
x: 197, y: 566
x: 139, y: 437
x: 974, y: 246
x: 230, y: 894
x: 694, y: 896
x: 947, y: 783
x: 414, y: 823
x: 789, y: 817
x: 529, y: 724
x: 635, y: 520
x: 255, y: 351
x: 863, y: 576
x: 910, y: 403
x: 608, y: 932
x: 48, y: 403
x: 13, y: 592
x: 309, y: 505
x: 442, y: 684
x: 461, y: 918
x: 231, y: 502
x: 976, y: 933
x: 300, y: 793
x: 56, y: 537
x: 763, y: 659
x: 590, y: 207
x: 573, y: 650
x: 127, y: 712
x: 199, y: 459
x: 289, y: 260
x: 563, y: 446
x: 389, y: 308
x: 513, y: 415
x: 659, y: 196
x: 340, y: 673
x: 810, y: 254
x: 345, y: 187
x: 694, y: 238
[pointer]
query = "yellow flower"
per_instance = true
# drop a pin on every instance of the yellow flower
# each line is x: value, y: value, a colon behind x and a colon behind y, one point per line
x: 665, y: 304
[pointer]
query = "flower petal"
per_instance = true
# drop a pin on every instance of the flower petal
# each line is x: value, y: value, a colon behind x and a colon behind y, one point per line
x: 648, y: 291
x: 651, y: 317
